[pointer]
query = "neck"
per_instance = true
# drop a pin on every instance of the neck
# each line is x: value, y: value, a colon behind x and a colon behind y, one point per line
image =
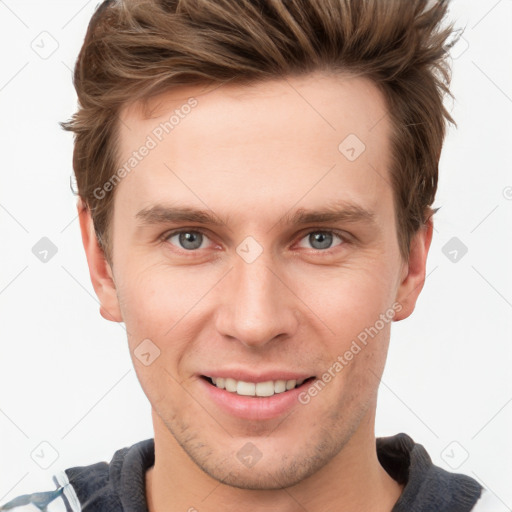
x: 353, y: 480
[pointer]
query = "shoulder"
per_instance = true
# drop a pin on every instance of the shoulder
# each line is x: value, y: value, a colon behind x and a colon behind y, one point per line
x: 489, y: 502
x: 428, y: 487
x: 111, y: 486
x: 61, y: 499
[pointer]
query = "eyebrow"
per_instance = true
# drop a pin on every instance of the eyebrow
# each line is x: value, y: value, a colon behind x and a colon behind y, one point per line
x: 338, y: 212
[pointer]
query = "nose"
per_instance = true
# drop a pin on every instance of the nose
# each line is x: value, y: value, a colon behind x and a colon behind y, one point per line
x: 256, y: 306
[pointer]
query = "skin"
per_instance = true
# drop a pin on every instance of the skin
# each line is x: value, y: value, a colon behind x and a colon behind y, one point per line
x: 296, y: 307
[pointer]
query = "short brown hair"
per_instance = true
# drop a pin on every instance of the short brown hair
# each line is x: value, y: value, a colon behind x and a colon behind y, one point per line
x: 136, y: 49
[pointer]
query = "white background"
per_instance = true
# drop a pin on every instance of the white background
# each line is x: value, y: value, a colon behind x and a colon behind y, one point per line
x: 65, y: 374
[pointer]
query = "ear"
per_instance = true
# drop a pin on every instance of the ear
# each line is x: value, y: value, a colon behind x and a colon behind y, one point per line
x: 102, y: 277
x: 413, y: 271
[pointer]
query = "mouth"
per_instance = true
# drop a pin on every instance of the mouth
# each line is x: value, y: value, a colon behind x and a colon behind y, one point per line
x: 256, y: 389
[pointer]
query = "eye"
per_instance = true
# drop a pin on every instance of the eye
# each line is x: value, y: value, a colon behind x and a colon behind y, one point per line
x: 192, y: 240
x: 188, y: 240
x: 320, y: 240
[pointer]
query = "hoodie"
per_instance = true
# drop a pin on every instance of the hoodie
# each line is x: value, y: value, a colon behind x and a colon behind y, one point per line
x: 119, y: 486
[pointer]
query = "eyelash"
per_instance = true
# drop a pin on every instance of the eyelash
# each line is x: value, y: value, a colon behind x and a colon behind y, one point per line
x: 343, y: 236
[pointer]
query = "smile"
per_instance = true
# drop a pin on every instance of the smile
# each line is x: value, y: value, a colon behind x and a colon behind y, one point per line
x: 260, y: 389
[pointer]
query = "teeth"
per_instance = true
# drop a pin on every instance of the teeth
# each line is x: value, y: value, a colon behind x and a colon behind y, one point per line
x: 279, y: 386
x: 230, y: 385
x: 267, y: 388
x: 245, y: 388
x: 264, y: 388
x: 290, y: 384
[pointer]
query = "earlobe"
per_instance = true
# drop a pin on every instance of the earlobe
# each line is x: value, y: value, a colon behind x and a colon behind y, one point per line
x: 413, y: 277
x: 99, y: 268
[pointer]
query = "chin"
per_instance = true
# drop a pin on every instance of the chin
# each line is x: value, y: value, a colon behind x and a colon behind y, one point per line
x: 266, y: 477
x: 272, y: 464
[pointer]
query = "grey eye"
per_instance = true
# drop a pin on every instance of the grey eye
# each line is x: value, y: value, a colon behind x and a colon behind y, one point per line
x: 320, y: 240
x: 188, y: 240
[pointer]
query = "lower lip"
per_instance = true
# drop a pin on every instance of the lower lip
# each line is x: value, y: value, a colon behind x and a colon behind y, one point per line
x: 254, y: 407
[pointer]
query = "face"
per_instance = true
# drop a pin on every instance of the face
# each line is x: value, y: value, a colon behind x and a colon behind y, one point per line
x: 255, y: 247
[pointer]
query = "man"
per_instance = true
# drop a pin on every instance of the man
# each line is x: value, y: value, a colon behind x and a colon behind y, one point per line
x: 255, y: 184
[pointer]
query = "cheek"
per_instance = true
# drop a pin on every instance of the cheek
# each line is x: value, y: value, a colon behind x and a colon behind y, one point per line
x: 165, y: 305
x: 149, y: 303
x: 349, y: 298
x: 154, y: 305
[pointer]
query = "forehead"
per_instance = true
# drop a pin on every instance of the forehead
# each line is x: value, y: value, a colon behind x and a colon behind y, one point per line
x: 340, y: 102
x: 311, y: 137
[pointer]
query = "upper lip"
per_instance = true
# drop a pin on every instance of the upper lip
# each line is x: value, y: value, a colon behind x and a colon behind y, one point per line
x: 261, y: 376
